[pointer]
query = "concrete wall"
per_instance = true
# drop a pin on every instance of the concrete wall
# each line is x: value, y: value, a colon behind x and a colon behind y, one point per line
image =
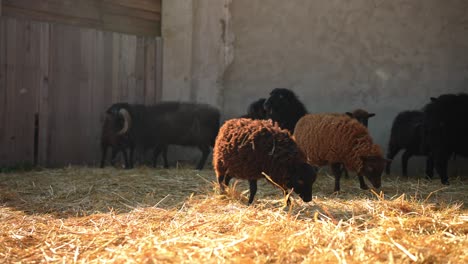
x: 337, y: 55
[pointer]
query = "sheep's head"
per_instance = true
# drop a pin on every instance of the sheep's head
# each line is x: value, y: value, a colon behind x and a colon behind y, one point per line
x: 303, y: 177
x: 362, y: 116
x: 280, y: 100
x: 372, y: 169
x: 256, y: 109
x: 120, y: 115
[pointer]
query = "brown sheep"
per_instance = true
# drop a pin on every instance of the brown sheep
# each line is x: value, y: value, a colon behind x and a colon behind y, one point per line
x: 245, y: 148
x: 361, y: 115
x: 333, y: 139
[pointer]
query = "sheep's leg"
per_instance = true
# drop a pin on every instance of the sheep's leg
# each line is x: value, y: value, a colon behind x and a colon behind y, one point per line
x: 164, y: 154
x: 132, y: 150
x: 362, y: 183
x: 336, y: 170
x: 441, y: 168
x: 205, y: 149
x: 429, y: 167
x: 253, y: 190
x: 103, y: 155
x: 124, y: 153
x: 404, y: 163
x: 156, y: 152
x: 223, y: 180
x: 113, y: 155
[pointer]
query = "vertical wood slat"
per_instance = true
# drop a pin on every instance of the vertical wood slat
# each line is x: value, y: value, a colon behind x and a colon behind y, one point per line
x: 3, y: 94
x: 158, y: 69
x: 43, y: 104
x: 21, y: 73
x: 69, y: 76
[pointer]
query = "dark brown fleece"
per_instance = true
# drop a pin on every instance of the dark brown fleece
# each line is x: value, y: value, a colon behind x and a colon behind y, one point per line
x: 245, y: 148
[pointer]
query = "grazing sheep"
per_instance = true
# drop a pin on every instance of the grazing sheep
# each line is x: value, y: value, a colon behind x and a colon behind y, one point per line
x: 407, y: 133
x: 168, y: 123
x: 361, y: 115
x: 446, y: 130
x: 245, y: 148
x: 256, y: 110
x: 284, y: 107
x: 331, y: 139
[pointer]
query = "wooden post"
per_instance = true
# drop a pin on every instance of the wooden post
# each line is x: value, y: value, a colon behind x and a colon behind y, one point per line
x: 0, y: 8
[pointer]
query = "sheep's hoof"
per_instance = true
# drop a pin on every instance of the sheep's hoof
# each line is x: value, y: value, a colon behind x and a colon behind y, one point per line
x: 446, y: 182
x: 364, y: 187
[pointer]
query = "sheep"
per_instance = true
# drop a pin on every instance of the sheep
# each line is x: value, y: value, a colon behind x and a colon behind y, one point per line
x: 169, y: 123
x: 445, y: 130
x: 245, y: 148
x: 333, y: 139
x: 361, y: 115
x: 113, y: 137
x: 407, y: 133
x: 256, y: 110
x: 284, y: 107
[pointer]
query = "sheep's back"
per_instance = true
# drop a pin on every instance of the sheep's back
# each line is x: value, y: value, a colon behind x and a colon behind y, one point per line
x: 245, y: 148
x: 330, y: 138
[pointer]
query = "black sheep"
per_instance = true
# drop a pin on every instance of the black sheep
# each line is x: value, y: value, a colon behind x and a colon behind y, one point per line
x: 169, y: 123
x: 284, y: 107
x: 407, y: 133
x: 256, y: 110
x: 446, y: 130
x: 113, y: 136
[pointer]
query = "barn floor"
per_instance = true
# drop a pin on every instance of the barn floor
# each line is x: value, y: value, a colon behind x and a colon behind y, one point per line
x: 89, y: 215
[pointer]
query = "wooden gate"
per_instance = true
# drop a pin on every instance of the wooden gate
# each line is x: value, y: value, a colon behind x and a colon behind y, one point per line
x: 56, y: 82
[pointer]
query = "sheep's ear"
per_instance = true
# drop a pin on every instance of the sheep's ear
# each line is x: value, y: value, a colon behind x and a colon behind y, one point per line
x: 370, y: 115
x: 349, y: 114
x: 433, y: 99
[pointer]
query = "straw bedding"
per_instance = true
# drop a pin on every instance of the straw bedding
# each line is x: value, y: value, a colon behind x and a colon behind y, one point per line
x: 87, y: 215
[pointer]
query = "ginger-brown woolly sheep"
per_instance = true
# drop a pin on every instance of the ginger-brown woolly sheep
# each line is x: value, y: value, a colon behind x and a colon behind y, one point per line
x: 331, y: 139
x: 245, y: 148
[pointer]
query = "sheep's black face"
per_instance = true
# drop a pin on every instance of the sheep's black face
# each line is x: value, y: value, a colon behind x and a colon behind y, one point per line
x: 256, y: 109
x: 304, y: 176
x: 372, y: 169
x: 279, y: 100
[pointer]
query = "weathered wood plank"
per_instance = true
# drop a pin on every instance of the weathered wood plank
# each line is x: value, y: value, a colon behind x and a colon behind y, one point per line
x: 134, y: 17
x: 43, y: 108
x: 159, y: 65
x: 149, y: 5
x: 150, y: 66
x: 69, y: 76
x: 3, y: 90
x: 19, y: 90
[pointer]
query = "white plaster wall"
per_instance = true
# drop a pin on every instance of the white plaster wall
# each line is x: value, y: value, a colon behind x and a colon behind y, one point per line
x: 337, y: 55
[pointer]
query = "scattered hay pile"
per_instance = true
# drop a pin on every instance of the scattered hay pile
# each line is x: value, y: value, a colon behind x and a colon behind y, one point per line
x: 91, y: 215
